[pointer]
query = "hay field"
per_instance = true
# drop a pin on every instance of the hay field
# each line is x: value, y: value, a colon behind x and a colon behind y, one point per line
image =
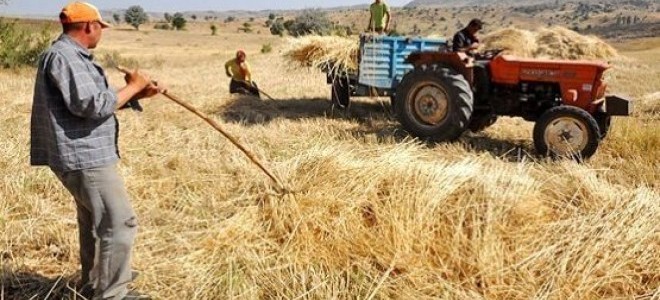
x: 372, y: 214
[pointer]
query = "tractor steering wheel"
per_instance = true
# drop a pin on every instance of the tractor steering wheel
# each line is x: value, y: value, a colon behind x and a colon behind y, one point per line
x: 488, y: 54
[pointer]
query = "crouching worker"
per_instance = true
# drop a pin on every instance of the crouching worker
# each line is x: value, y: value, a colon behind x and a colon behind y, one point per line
x: 241, y: 78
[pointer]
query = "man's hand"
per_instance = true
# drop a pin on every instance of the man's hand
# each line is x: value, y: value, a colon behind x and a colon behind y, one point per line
x: 137, y: 86
x: 137, y: 79
x: 150, y: 90
x: 228, y: 74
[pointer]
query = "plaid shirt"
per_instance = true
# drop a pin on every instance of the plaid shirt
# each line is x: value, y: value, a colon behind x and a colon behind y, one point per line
x: 73, y: 122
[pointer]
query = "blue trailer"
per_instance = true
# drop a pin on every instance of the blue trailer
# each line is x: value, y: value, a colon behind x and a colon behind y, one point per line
x: 382, y: 65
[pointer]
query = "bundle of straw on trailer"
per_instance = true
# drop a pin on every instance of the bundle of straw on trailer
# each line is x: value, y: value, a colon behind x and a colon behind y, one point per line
x: 336, y: 55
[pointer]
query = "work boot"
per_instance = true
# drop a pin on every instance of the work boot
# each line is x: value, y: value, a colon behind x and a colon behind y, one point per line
x: 87, y: 291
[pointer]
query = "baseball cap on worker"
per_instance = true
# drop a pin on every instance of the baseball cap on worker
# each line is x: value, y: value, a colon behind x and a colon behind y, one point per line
x: 81, y: 12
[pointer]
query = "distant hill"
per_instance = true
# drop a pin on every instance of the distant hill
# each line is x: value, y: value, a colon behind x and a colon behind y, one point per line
x: 220, y: 15
x: 458, y: 3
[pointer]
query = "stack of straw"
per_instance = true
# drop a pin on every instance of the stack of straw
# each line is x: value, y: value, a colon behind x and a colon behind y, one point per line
x: 551, y: 43
x: 331, y: 53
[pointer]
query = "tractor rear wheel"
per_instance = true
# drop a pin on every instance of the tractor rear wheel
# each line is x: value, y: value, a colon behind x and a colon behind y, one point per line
x: 567, y: 131
x: 434, y: 103
x: 341, y: 93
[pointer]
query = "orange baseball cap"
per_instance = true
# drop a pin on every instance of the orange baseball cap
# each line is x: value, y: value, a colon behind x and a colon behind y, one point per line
x: 80, y: 12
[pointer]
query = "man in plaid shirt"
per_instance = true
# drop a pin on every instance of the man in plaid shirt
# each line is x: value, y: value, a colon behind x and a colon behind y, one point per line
x: 74, y: 131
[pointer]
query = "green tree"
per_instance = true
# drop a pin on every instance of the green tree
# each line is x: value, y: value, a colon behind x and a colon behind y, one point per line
x: 194, y: 17
x: 135, y: 16
x: 310, y: 22
x: 168, y: 18
x: 266, y: 48
x: 214, y: 29
x: 179, y: 21
x: 20, y: 46
x: 272, y: 16
x: 247, y: 27
x: 277, y: 27
x: 162, y: 26
x: 288, y: 24
x: 116, y: 17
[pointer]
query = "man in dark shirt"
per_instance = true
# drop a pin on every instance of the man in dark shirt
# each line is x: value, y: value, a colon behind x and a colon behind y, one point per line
x: 466, y: 40
x: 74, y: 132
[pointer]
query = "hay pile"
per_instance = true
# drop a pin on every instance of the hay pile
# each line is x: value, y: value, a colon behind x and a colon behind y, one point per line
x: 340, y: 55
x: 553, y: 43
x: 516, y: 42
x: 331, y: 53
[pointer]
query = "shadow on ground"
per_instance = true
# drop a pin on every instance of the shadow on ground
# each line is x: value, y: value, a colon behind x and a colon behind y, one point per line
x: 252, y: 111
x: 509, y: 150
x: 372, y: 118
x: 27, y: 285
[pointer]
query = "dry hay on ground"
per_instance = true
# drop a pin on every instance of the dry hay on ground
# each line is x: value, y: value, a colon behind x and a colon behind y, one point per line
x: 650, y: 104
x: 553, y: 43
x: 325, y: 52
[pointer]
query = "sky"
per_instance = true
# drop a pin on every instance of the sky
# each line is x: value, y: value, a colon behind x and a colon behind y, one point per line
x: 52, y: 7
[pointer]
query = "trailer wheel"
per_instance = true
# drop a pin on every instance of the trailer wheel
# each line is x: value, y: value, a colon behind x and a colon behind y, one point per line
x: 341, y: 92
x: 567, y: 131
x: 434, y: 103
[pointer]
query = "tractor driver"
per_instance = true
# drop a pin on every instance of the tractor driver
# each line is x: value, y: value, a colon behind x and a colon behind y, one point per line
x: 241, y: 77
x: 466, y: 39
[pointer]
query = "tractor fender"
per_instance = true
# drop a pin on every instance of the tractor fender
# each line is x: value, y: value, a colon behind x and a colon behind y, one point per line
x: 457, y: 61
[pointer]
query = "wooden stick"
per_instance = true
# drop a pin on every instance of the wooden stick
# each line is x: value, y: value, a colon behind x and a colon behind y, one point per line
x: 217, y: 127
x: 258, y: 89
x: 269, y: 97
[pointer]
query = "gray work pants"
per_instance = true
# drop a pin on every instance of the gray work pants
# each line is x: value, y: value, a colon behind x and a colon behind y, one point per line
x: 107, y: 227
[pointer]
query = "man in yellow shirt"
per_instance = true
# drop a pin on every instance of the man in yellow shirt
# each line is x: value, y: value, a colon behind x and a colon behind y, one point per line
x: 241, y: 77
x: 377, y: 22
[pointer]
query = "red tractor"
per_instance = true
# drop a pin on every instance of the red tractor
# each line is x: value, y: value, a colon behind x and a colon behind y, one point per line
x: 448, y: 93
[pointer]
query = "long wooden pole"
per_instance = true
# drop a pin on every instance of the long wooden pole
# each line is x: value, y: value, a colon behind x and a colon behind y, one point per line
x: 258, y: 89
x: 217, y: 127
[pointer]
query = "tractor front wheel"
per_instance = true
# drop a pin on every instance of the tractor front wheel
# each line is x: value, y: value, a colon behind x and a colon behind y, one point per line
x: 567, y: 131
x: 434, y: 103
